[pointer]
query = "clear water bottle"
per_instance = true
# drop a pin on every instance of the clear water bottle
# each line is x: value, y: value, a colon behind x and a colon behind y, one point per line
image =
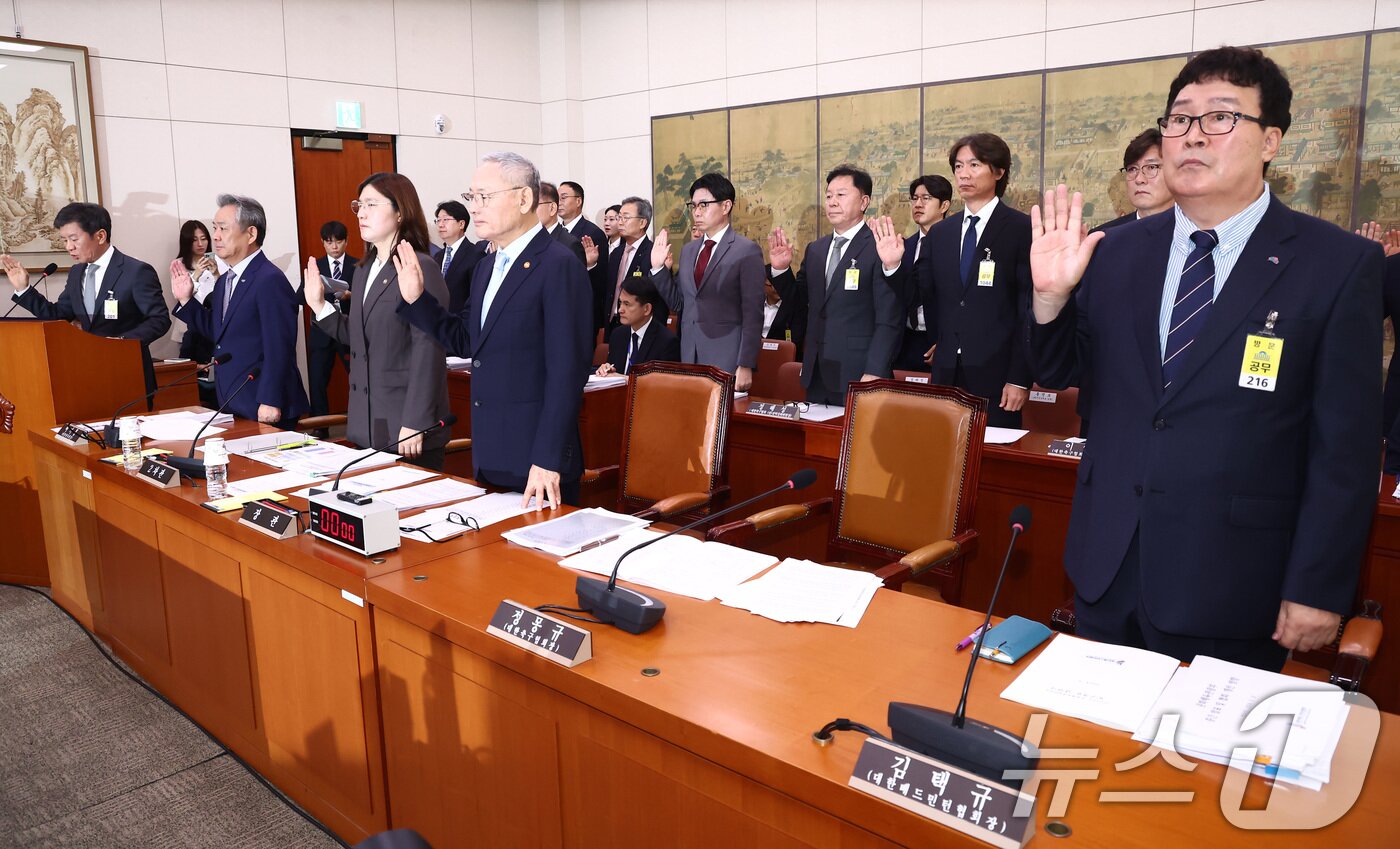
x: 215, y: 468
x: 130, y: 433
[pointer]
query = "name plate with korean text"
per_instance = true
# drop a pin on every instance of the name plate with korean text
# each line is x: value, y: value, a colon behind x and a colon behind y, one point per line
x: 1067, y: 448
x: 71, y: 434
x: 550, y: 638
x: 988, y: 811
x: 276, y: 522
x: 156, y: 473
x: 791, y: 410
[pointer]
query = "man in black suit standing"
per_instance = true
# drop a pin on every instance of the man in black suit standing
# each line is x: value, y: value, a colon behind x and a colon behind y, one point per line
x: 784, y: 311
x: 1142, y: 169
x: 458, y: 255
x: 548, y: 213
x: 633, y: 254
x: 322, y: 351
x: 929, y: 198
x: 975, y: 282
x: 853, y: 279
x: 593, y: 239
x: 108, y: 293
x: 642, y: 336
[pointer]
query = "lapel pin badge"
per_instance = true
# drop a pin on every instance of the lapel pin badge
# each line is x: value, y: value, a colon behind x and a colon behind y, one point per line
x: 527, y: 263
x: 1274, y: 260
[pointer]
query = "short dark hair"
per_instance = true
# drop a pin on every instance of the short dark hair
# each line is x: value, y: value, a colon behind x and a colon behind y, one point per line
x: 858, y: 176
x: 1245, y: 67
x: 454, y: 209
x: 717, y: 185
x: 1141, y: 144
x: 399, y: 191
x: 88, y: 216
x: 578, y: 190
x: 645, y: 292
x: 935, y: 185
x: 617, y: 207
x: 548, y: 193
x: 644, y: 210
x: 990, y: 150
x: 333, y: 230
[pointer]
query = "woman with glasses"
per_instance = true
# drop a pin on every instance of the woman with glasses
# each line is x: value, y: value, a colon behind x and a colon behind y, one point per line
x: 398, y: 374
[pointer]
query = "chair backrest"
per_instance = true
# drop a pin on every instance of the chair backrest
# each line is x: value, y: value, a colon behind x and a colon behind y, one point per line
x: 910, y: 455
x: 789, y: 385
x: 673, y: 431
x: 1052, y: 411
x: 772, y: 353
x: 600, y: 354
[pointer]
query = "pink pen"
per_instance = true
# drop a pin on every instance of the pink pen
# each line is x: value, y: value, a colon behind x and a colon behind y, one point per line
x: 970, y: 638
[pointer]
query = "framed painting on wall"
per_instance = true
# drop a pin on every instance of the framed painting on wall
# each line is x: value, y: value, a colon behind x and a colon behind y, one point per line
x: 48, y: 155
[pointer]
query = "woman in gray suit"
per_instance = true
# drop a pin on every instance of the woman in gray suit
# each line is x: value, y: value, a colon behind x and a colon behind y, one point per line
x: 398, y: 374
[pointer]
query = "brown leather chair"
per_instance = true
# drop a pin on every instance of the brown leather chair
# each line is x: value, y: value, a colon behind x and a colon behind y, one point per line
x: 1342, y: 663
x: 600, y: 354
x: 673, y: 435
x: 772, y: 353
x: 788, y: 386
x: 906, y: 487
x: 1052, y: 411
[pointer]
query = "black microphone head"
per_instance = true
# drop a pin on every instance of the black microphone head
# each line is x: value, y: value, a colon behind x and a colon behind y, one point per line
x: 222, y: 358
x: 449, y: 420
x: 803, y: 478
x: 254, y: 372
x: 1021, y: 515
x: 50, y: 268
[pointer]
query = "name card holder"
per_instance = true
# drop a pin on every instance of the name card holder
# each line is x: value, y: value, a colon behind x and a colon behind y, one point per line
x: 70, y: 434
x: 542, y: 634
x: 156, y: 473
x: 978, y: 807
x: 1066, y: 448
x: 791, y: 410
x: 276, y: 522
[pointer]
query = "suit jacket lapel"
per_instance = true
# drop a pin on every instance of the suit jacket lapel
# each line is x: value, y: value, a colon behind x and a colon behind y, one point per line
x: 1146, y: 299
x: 850, y: 258
x: 1254, y: 272
x: 718, y: 253
x: 240, y: 289
x: 109, y: 281
x: 990, y: 232
x: 388, y: 276
x: 521, y: 267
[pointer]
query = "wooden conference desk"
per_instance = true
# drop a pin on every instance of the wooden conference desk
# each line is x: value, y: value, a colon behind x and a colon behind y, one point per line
x: 369, y: 691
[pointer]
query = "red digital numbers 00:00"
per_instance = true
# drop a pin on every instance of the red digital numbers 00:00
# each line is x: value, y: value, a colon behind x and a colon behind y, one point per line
x: 331, y: 525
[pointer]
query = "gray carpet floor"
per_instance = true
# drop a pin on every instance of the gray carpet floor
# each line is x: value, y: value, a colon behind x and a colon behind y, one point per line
x: 91, y: 760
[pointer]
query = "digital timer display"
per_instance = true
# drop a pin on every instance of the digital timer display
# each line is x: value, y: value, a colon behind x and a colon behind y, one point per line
x: 336, y: 526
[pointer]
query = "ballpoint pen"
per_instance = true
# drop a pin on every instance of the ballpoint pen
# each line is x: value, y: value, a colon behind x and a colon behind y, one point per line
x: 970, y: 638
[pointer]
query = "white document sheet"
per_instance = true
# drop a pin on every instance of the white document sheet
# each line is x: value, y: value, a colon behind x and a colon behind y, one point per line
x: 1102, y: 683
x: 1002, y: 435
x: 683, y: 565
x: 595, y: 382
x: 823, y: 412
x: 803, y: 591
x: 328, y: 458
x: 377, y: 481
x: 433, y: 492
x: 490, y: 508
x: 270, y: 483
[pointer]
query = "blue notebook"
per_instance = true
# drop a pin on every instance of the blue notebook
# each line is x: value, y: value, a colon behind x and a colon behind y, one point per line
x: 1013, y: 639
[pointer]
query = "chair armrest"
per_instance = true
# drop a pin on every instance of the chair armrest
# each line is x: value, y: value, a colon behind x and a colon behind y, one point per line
x: 736, y: 533
x: 1361, y: 637
x: 595, y: 477
x: 920, y: 560
x: 678, y: 503
x: 455, y: 446
x: 322, y: 421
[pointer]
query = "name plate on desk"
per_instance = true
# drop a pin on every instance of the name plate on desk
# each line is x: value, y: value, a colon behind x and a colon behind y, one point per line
x: 791, y: 410
x: 71, y: 434
x: 550, y: 638
x: 945, y: 794
x: 276, y: 522
x: 1066, y: 448
x: 156, y: 473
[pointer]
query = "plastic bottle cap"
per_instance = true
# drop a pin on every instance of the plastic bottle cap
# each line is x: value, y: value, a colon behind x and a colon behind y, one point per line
x: 129, y: 428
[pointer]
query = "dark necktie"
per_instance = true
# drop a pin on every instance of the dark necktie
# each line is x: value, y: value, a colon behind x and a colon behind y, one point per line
x: 914, y: 304
x: 636, y: 343
x: 335, y: 270
x: 1194, y: 295
x: 833, y: 262
x: 969, y: 250
x: 446, y: 258
x: 703, y: 262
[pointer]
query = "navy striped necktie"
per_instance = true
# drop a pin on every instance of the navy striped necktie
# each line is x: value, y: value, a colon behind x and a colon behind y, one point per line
x: 1194, y: 295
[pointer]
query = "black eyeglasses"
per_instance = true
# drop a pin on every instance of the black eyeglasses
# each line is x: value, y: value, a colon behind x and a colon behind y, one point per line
x: 1150, y: 170
x: 701, y: 204
x: 454, y: 517
x: 1211, y: 123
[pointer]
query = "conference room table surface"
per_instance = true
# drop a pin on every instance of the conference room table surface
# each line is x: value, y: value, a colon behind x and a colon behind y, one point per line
x: 716, y: 743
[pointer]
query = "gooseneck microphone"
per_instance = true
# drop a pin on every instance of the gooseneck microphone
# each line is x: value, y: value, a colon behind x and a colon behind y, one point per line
x: 975, y: 746
x: 636, y: 612
x: 446, y: 421
x: 109, y: 433
x: 48, y: 269
x: 188, y: 465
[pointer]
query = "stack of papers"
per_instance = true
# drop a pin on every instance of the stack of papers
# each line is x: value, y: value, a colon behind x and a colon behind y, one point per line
x: 823, y: 412
x: 1212, y: 710
x: 596, y: 382
x: 803, y: 591
x: 264, y: 443
x: 1002, y: 435
x: 377, y: 481
x: 270, y: 483
x: 681, y: 564
x: 328, y: 458
x: 433, y: 492
x: 436, y: 526
x: 575, y: 532
x: 1103, y: 683
x: 169, y: 427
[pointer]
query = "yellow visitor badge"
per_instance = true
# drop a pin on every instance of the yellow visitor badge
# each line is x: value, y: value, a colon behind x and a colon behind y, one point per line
x: 986, y: 270
x: 1263, y: 356
x: 852, y: 278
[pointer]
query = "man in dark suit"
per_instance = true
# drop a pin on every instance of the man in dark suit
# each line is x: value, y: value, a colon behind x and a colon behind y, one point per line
x: 251, y: 315
x: 1142, y: 172
x: 784, y: 311
x: 929, y: 199
x: 975, y: 280
x: 1391, y: 404
x: 322, y: 351
x: 633, y: 255
x: 458, y: 255
x: 527, y: 329
x: 641, y: 337
x: 593, y: 239
x: 718, y: 287
x: 108, y: 293
x: 548, y: 214
x: 1224, y: 500
x: 852, y: 279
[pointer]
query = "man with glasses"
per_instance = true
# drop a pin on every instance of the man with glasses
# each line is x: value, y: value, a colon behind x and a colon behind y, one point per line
x: 548, y: 214
x: 526, y: 329
x: 974, y: 279
x: 929, y: 199
x: 593, y: 239
x: 1225, y: 496
x: 631, y: 257
x: 718, y: 289
x: 458, y: 255
x: 1142, y: 171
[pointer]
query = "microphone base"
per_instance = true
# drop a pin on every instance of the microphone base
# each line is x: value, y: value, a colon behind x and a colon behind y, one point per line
x: 627, y: 609
x: 188, y: 466
x: 977, y: 747
x: 111, y: 436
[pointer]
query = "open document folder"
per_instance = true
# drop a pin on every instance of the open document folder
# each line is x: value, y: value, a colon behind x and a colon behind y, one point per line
x: 576, y: 531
